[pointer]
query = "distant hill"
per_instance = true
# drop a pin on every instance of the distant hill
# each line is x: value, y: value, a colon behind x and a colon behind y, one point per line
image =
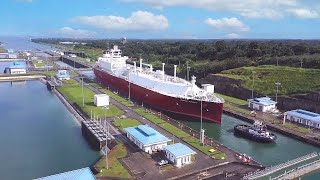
x: 293, y: 80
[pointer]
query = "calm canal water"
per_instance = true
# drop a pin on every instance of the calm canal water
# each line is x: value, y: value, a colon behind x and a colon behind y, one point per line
x: 268, y: 154
x: 38, y: 135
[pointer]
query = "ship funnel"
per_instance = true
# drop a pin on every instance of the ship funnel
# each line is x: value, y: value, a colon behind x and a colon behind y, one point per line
x: 135, y: 66
x: 175, y: 72
x: 140, y: 65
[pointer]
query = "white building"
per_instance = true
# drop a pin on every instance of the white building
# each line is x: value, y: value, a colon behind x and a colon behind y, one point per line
x: 62, y: 75
x: 179, y: 154
x: 17, y: 68
x: 146, y: 138
x: 303, y: 117
x: 263, y: 104
x: 101, y: 100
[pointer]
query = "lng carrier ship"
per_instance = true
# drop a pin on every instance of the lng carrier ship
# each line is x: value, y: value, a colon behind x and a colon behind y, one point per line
x: 158, y: 90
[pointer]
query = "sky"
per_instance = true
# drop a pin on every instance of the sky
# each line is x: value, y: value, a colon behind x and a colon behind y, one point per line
x: 162, y: 19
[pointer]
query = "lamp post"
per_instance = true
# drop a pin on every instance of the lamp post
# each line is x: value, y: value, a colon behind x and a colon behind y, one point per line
x: 188, y: 69
x: 253, y: 72
x: 82, y: 91
x: 277, y: 84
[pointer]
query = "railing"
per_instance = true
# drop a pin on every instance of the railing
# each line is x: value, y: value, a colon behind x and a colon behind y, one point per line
x: 298, y: 168
x: 272, y: 169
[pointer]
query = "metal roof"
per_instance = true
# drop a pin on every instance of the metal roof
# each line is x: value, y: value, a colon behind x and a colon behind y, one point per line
x: 263, y: 101
x: 17, y: 64
x: 146, y: 135
x: 79, y: 174
x: 62, y: 74
x: 179, y: 150
x: 305, y: 115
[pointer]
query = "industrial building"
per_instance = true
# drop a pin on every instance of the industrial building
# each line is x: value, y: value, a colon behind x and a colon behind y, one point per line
x: 101, y: 100
x: 303, y: 117
x: 79, y: 174
x: 179, y: 154
x: 263, y: 104
x: 62, y: 75
x: 146, y: 138
x: 16, y: 68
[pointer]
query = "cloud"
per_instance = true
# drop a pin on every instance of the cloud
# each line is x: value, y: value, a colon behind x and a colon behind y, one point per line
x: 233, y: 24
x: 138, y: 21
x: 74, y: 33
x: 232, y: 36
x: 303, y: 13
x: 268, y: 9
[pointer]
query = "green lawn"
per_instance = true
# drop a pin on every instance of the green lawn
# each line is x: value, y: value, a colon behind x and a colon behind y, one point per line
x: 174, y: 130
x: 72, y: 91
x: 293, y: 80
x: 149, y: 116
x: 115, y: 167
x: 38, y: 64
x: 234, y: 100
x: 205, y: 149
x: 126, y: 122
x: 112, y: 95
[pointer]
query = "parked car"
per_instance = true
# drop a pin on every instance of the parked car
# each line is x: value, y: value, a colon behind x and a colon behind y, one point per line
x: 162, y: 162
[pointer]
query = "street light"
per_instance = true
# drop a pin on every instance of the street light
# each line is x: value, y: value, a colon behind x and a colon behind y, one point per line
x: 82, y: 91
x: 277, y: 84
x: 188, y: 69
x: 253, y: 72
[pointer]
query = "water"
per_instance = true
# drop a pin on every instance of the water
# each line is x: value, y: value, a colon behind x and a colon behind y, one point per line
x: 38, y: 135
x: 283, y: 150
x: 23, y: 43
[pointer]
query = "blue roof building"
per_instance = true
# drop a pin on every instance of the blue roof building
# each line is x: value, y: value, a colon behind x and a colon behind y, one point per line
x: 79, y: 174
x: 262, y: 104
x: 146, y: 138
x: 303, y: 117
x: 18, y: 65
x: 179, y: 154
x: 62, y: 75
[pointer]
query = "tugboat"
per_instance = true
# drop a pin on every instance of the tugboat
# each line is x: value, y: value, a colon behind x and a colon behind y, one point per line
x: 258, y: 132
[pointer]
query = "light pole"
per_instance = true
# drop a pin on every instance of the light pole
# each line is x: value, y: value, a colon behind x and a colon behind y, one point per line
x: 301, y: 63
x: 188, y: 69
x: 277, y: 84
x: 82, y: 91
x: 253, y: 72
x: 201, y: 129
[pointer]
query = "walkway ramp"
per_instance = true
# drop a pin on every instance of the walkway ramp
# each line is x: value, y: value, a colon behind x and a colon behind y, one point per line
x: 269, y: 171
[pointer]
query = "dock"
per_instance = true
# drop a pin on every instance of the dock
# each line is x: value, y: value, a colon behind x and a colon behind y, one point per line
x: 96, y: 134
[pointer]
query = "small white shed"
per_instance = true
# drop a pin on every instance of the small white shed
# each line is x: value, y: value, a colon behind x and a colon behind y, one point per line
x: 179, y: 154
x: 101, y: 100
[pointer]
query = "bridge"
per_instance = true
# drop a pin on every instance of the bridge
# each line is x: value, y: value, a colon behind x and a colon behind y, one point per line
x: 269, y: 171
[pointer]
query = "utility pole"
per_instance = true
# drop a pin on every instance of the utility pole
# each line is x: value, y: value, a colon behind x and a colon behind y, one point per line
x: 253, y: 72
x: 201, y: 129
x: 277, y: 84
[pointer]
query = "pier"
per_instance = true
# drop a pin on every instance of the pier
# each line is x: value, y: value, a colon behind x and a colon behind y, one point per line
x: 96, y: 134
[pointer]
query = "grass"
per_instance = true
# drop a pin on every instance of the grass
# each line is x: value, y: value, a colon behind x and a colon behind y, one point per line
x: 205, y: 149
x: 174, y: 130
x: 115, y: 167
x: 293, y: 80
x: 73, y: 92
x: 74, y: 73
x: 126, y: 122
x: 38, y: 63
x: 234, y: 100
x: 112, y: 95
x: 149, y: 116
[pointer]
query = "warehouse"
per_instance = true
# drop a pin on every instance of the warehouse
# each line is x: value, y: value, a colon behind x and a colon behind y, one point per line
x: 179, y: 154
x: 303, y: 117
x: 146, y: 138
x: 17, y: 68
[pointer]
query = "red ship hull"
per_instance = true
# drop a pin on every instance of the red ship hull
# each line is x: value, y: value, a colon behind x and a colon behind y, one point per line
x: 211, y: 111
